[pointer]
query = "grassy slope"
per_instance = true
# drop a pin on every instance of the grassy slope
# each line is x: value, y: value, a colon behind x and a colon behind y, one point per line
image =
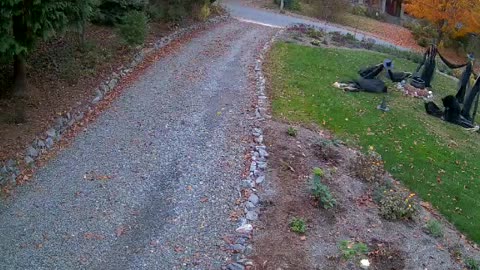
x: 437, y: 160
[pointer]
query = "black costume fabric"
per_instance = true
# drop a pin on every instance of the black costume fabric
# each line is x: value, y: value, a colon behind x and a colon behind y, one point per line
x: 371, y: 72
x: 451, y: 113
x: 464, y: 81
x: 371, y: 85
x: 429, y: 64
x: 469, y: 101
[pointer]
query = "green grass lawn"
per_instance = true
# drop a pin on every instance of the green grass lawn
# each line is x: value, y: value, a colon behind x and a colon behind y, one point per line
x: 437, y: 160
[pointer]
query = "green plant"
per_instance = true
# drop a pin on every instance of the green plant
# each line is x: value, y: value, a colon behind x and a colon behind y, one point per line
x: 434, y: 228
x: 422, y: 41
x: 369, y: 167
x: 157, y: 13
x: 291, y: 131
x: 472, y: 264
x: 314, y: 33
x: 394, y: 206
x: 320, y: 191
x: 382, y: 189
x: 298, y: 225
x: 351, y: 249
x: 359, y: 10
x: 318, y: 172
x: 201, y: 12
x: 134, y: 28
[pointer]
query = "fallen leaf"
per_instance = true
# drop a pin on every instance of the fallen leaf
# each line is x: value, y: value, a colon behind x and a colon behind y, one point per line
x: 120, y: 231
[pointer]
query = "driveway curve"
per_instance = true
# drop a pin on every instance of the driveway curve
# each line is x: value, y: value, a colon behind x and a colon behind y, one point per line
x: 274, y: 19
x: 152, y: 182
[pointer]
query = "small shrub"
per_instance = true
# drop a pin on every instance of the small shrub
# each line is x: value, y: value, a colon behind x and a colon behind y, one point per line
x: 291, y: 131
x: 314, y: 33
x: 133, y: 28
x: 380, y: 191
x: 321, y: 192
x: 202, y: 12
x: 298, y: 225
x: 351, y: 249
x: 369, y: 167
x: 472, y: 264
x: 434, y: 228
x: 359, y: 10
x: 394, y: 206
x: 326, y: 150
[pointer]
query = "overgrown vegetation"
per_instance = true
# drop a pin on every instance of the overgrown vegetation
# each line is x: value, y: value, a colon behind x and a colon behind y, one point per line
x: 351, y: 250
x: 298, y: 225
x: 394, y: 206
x: 431, y: 157
x: 320, y: 191
x: 434, y: 228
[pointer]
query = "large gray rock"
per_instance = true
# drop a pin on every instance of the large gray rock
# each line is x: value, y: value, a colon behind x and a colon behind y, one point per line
x: 253, y: 199
x: 32, y: 152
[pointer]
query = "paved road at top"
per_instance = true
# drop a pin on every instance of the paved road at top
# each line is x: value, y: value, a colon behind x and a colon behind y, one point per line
x: 270, y: 18
x: 172, y: 149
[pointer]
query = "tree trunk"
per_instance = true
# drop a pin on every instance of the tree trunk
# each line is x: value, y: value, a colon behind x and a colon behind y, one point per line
x: 19, y: 87
x: 282, y: 5
x: 19, y: 69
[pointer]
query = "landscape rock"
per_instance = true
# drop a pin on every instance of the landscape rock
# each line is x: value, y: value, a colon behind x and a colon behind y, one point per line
x: 252, y: 215
x: 49, y: 142
x: 253, y: 166
x: 239, y: 248
x: 262, y: 165
x: 263, y: 152
x: 247, y: 251
x: 244, y: 229
x: 249, y: 206
x: 253, y: 199
x: 51, y: 133
x: 32, y: 152
x: 248, y: 184
x: 29, y: 160
x: 259, y: 139
x: 260, y: 179
x: 41, y: 144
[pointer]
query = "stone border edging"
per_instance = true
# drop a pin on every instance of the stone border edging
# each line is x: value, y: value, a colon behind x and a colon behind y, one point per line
x: 11, y: 169
x: 257, y: 169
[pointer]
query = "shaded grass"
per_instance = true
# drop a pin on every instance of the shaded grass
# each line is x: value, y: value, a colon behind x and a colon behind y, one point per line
x: 435, y: 159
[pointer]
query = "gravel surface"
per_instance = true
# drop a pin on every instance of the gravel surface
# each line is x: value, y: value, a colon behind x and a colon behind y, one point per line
x: 151, y: 183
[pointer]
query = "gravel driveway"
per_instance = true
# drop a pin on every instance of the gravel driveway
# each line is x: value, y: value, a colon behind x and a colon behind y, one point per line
x: 151, y: 183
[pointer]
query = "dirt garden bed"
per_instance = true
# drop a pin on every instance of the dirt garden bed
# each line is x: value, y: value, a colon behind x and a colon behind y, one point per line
x: 401, y: 244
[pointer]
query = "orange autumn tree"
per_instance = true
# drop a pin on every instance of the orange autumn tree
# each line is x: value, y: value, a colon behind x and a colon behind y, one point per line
x: 456, y: 18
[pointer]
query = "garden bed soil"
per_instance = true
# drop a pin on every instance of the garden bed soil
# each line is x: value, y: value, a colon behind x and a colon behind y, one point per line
x: 392, y: 244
